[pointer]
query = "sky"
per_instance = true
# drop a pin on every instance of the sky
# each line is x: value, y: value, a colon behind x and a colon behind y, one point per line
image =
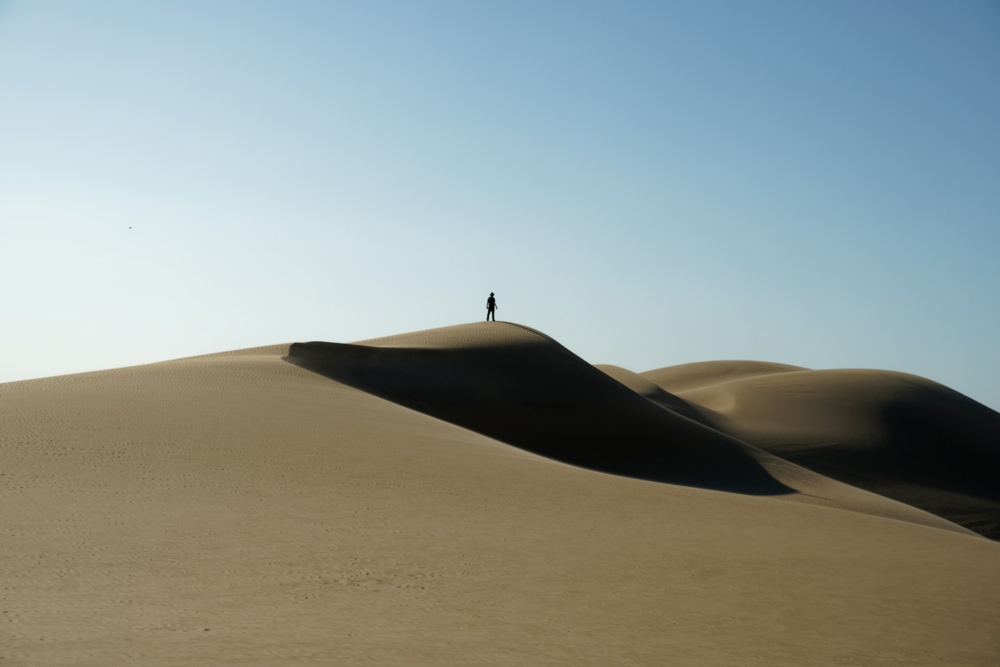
x: 649, y: 183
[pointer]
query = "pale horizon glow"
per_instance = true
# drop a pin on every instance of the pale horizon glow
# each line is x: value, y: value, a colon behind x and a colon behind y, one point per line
x: 648, y: 183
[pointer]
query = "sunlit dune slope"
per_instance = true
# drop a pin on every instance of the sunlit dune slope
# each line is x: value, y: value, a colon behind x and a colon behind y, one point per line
x: 683, y: 377
x: 896, y: 434
x: 237, y: 509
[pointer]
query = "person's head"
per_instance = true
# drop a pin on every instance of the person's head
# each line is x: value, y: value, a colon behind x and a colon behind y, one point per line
x: 491, y: 293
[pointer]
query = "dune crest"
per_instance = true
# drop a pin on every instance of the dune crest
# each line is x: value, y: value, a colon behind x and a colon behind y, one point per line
x: 684, y: 377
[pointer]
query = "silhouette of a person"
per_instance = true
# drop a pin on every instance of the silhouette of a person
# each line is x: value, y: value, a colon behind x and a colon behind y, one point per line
x: 491, y: 306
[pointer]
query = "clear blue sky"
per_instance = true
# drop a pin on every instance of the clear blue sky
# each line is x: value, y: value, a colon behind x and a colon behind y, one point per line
x: 815, y: 183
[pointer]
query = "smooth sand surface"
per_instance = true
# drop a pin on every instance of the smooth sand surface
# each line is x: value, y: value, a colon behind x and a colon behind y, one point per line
x: 239, y: 509
x: 896, y: 434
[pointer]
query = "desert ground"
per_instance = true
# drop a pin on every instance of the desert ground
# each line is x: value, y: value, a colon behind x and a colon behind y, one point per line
x: 480, y: 495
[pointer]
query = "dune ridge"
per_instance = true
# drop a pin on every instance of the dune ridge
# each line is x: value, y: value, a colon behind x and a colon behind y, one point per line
x: 684, y: 377
x: 522, y: 388
x: 516, y: 385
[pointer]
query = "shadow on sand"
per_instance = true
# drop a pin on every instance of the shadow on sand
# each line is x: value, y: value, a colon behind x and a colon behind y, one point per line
x: 543, y: 399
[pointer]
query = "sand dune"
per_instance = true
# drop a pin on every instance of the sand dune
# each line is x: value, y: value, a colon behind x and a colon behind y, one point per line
x: 239, y: 509
x: 649, y: 390
x: 899, y: 435
x: 520, y: 387
x: 683, y: 377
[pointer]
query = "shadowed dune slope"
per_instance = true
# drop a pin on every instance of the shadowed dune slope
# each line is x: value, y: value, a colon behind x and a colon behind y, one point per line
x: 521, y: 387
x: 235, y: 509
x: 895, y: 434
x: 517, y: 385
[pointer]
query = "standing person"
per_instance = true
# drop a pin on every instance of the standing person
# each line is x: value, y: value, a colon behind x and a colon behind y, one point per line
x: 491, y: 306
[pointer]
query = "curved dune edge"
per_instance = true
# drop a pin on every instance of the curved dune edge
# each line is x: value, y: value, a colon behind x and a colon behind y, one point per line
x: 520, y: 387
x: 685, y: 377
x: 895, y: 434
x: 655, y: 393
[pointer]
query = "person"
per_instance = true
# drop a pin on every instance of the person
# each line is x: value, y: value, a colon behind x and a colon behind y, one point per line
x: 491, y: 306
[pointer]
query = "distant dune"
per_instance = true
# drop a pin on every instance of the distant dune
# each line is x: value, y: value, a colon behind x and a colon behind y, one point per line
x: 481, y: 495
x: 899, y: 435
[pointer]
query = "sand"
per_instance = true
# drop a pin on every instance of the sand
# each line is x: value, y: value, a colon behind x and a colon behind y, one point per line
x: 896, y: 434
x: 315, y: 504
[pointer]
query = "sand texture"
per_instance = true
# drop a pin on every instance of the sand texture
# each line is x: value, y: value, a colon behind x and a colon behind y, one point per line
x: 475, y: 495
